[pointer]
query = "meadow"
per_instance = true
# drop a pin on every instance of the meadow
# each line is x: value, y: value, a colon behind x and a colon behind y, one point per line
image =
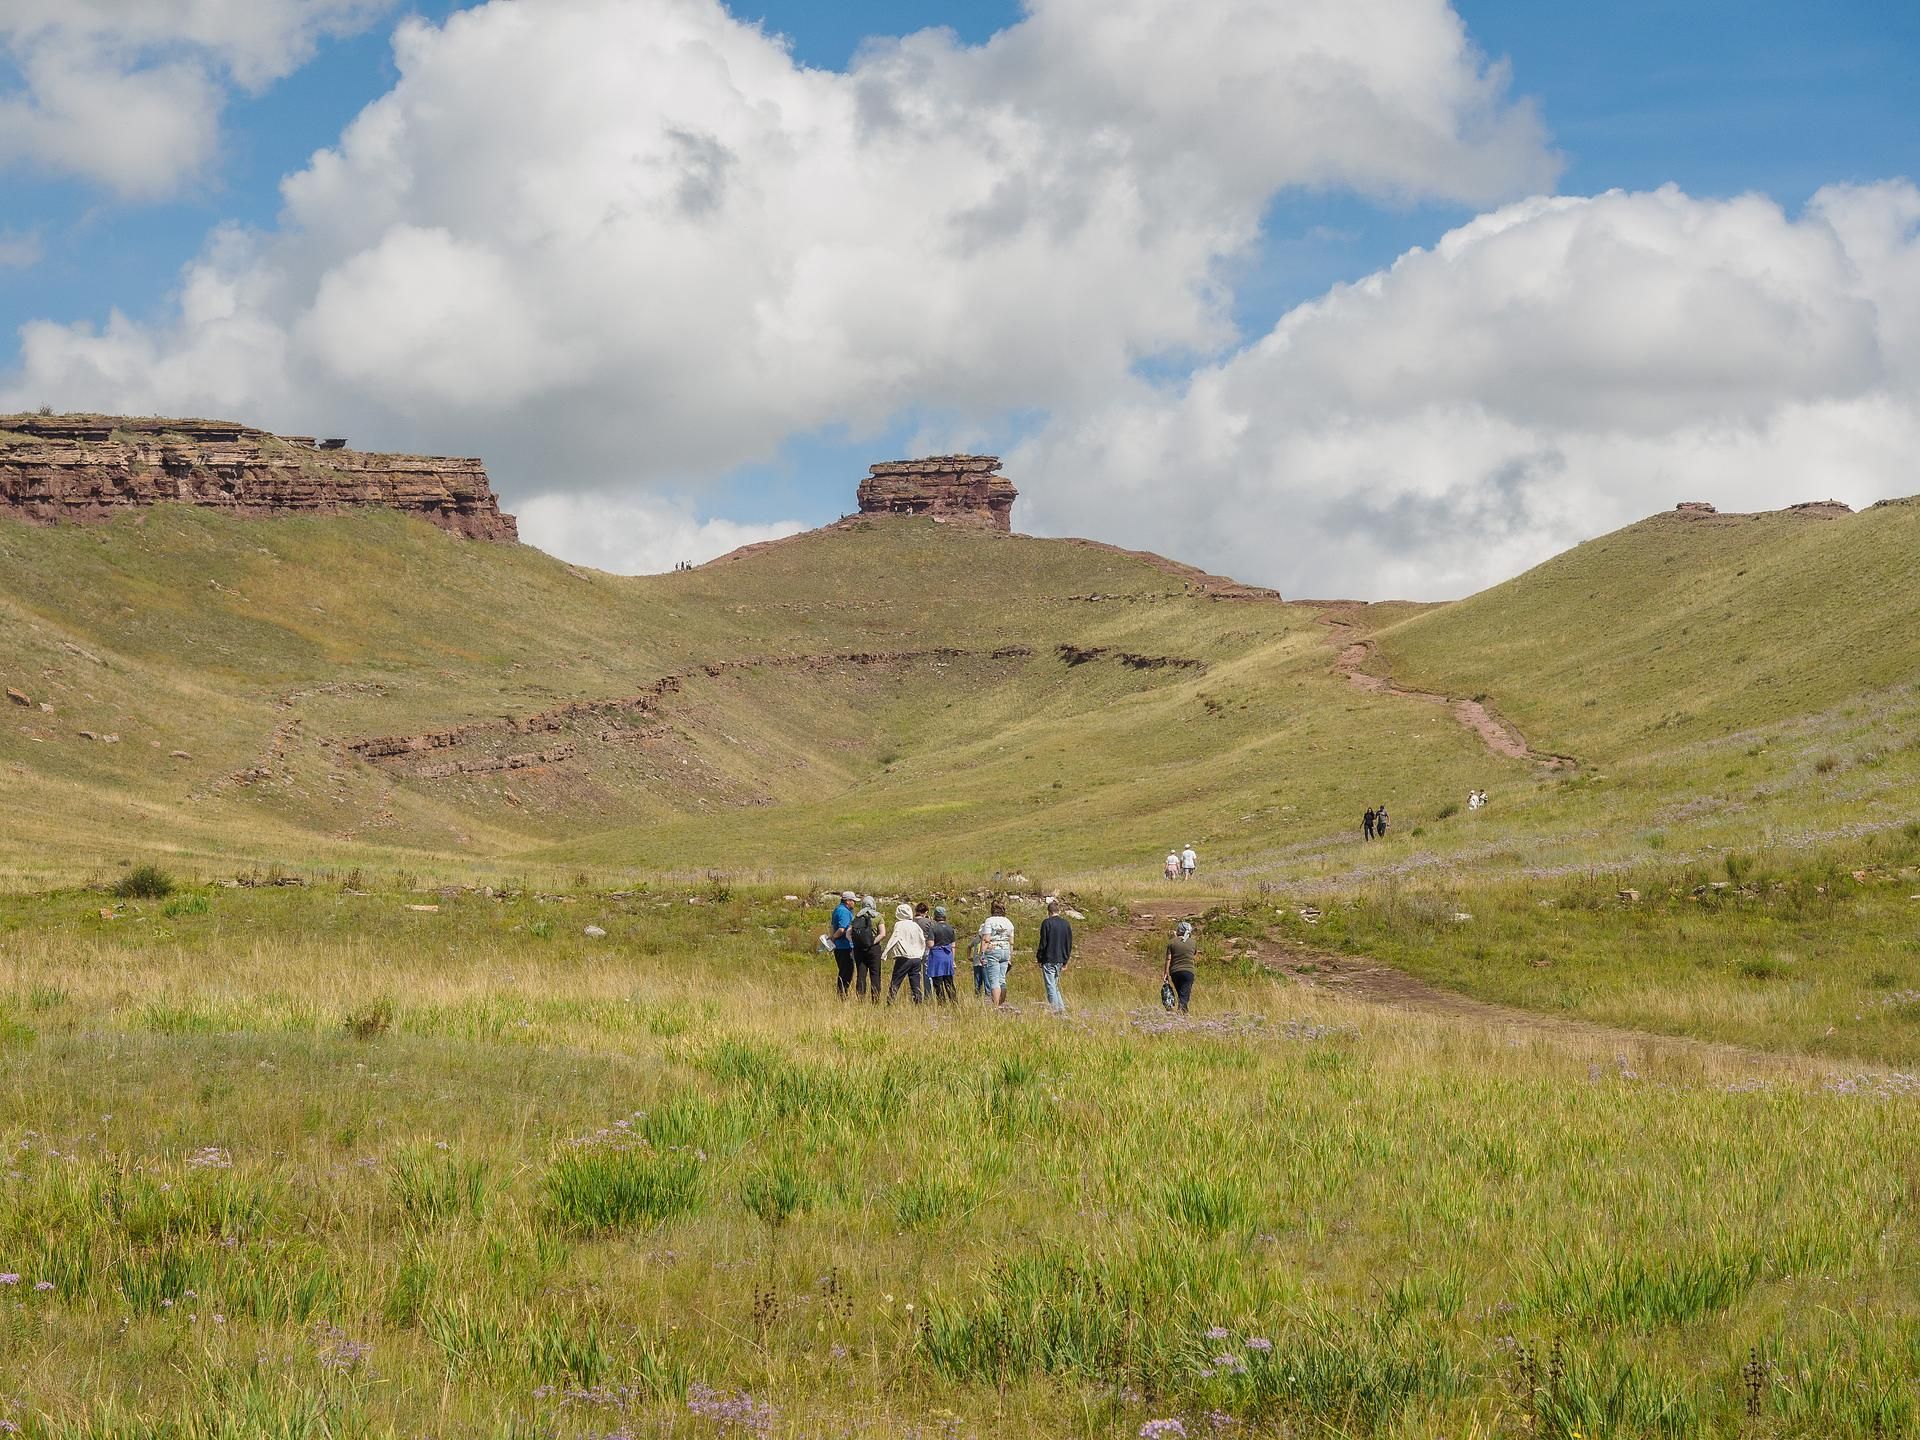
x: 313, y: 1160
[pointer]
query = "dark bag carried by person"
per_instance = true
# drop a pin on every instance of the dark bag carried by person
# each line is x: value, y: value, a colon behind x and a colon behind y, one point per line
x: 862, y: 932
x: 1169, y: 997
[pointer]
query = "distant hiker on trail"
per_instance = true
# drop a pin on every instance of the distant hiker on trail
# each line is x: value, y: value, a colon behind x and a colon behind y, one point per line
x: 1053, y: 952
x: 1173, y: 864
x: 1366, y: 824
x: 908, y: 951
x: 840, y: 936
x: 1189, y: 862
x: 996, y: 951
x: 868, y: 936
x: 1179, y: 971
x: 1380, y: 823
x: 940, y: 940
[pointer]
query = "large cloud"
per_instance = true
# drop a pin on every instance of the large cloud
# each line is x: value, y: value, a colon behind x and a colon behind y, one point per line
x: 128, y: 93
x: 1551, y: 370
x: 611, y: 243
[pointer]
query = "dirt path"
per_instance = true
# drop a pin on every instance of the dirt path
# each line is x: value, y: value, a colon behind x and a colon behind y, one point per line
x: 1367, y: 981
x: 1496, y: 734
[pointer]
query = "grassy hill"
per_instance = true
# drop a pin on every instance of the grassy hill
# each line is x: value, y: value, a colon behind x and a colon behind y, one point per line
x: 893, y: 698
x: 891, y: 695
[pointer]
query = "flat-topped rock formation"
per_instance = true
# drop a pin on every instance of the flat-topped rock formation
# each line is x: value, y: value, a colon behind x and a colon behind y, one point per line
x: 56, y: 468
x: 967, y: 488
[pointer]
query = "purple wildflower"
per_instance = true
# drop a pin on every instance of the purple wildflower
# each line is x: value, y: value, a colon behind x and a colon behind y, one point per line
x: 1260, y: 1343
x: 729, y: 1413
x: 1163, y: 1430
x: 1218, y: 1332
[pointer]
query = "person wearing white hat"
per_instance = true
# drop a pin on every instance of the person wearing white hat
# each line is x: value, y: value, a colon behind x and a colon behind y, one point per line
x: 839, y: 938
x: 1188, y: 862
x: 908, y: 950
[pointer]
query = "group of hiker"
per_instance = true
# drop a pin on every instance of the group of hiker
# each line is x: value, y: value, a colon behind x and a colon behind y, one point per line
x: 1181, y: 863
x: 1373, y: 824
x: 922, y: 940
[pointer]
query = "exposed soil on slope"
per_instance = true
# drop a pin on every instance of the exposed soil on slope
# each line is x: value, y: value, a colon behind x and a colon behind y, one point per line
x: 1500, y: 737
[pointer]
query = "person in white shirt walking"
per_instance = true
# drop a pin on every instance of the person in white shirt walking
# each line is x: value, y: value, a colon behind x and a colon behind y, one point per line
x: 908, y: 949
x: 1189, y: 862
x: 996, y: 951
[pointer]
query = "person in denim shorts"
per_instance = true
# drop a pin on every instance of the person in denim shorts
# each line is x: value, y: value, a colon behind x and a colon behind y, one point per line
x: 996, y: 951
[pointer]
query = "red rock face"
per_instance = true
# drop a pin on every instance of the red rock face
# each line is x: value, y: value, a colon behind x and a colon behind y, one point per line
x: 965, y: 488
x: 81, y: 468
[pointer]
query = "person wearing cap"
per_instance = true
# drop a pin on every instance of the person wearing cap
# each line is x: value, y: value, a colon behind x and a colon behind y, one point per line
x: 940, y: 942
x: 1188, y: 862
x: 908, y: 951
x: 840, y: 937
x: 1179, y: 971
x: 869, y: 933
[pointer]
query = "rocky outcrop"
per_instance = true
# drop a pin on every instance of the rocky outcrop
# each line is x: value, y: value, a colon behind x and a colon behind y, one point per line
x: 1695, y: 507
x: 57, y: 468
x: 965, y: 488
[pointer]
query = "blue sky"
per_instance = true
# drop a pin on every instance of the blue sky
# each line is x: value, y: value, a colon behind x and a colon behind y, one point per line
x: 1719, y: 98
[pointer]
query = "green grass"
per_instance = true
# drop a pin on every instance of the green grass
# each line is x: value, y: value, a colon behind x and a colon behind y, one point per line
x: 573, y: 1181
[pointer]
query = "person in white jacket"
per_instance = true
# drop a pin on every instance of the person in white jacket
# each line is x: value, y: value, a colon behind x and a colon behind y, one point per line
x: 908, y: 948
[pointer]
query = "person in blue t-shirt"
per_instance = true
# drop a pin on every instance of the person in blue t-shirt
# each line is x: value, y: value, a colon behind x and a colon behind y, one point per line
x: 841, y: 934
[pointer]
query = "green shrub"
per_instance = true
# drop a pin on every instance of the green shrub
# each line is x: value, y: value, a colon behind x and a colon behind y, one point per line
x: 186, y: 905
x: 599, y: 1188
x: 144, y: 882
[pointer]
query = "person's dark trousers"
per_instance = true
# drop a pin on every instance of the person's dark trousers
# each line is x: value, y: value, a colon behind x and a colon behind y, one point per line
x: 1183, y: 987
x: 866, y: 980
x: 909, y: 971
x: 979, y: 979
x: 844, y: 959
x: 943, y: 990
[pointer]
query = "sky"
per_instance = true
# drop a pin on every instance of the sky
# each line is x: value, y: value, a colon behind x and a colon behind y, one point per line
x: 1349, y: 297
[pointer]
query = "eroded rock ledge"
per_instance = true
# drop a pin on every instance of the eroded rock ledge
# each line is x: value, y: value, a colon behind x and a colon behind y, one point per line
x: 56, y: 468
x: 966, y: 488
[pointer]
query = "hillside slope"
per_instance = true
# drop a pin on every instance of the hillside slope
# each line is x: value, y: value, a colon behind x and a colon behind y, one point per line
x: 1683, y: 627
x: 888, y: 694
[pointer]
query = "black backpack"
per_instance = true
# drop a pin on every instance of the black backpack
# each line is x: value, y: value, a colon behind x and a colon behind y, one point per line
x: 862, y: 931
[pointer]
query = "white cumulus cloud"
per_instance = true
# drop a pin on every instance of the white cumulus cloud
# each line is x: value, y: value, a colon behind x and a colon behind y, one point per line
x: 635, y: 534
x: 1551, y: 370
x: 128, y: 93
x: 619, y: 244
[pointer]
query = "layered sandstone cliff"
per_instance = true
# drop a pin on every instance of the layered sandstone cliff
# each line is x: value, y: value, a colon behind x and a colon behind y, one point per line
x: 87, y: 467
x: 966, y: 488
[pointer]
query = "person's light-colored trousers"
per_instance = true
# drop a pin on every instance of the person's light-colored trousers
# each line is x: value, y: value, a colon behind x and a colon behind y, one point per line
x: 1050, y: 977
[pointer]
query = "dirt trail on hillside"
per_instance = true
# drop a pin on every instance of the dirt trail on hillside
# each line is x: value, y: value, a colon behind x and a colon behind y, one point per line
x: 1370, y: 982
x: 1496, y: 734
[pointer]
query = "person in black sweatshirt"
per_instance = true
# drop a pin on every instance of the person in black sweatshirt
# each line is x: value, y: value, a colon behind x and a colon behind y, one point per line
x: 1053, y: 952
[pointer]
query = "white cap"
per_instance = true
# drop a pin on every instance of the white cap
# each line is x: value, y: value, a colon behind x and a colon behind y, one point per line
x: 903, y: 912
x: 848, y: 895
